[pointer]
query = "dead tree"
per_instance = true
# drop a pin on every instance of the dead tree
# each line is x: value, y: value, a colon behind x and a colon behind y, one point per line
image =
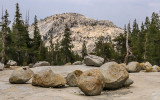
x: 128, y: 50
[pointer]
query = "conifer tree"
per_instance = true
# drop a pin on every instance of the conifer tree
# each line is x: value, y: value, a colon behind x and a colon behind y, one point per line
x: 84, y: 50
x: 5, y: 30
x: 66, y: 45
x: 20, y: 39
x: 153, y: 40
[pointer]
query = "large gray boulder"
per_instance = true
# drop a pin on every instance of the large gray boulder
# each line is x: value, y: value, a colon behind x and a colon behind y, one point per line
x: 21, y: 75
x: 92, y: 60
x: 47, y: 78
x: 41, y: 63
x: 1, y: 66
x: 91, y: 82
x: 114, y: 75
x: 128, y: 82
x: 134, y: 67
x: 72, y: 78
x: 77, y: 63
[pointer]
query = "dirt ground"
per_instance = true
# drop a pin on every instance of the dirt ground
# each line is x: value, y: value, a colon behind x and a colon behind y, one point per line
x: 146, y: 87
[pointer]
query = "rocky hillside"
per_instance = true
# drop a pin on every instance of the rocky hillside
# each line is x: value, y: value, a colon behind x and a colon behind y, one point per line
x: 82, y: 28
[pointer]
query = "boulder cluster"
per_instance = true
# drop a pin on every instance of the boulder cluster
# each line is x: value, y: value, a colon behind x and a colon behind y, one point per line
x: 103, y: 76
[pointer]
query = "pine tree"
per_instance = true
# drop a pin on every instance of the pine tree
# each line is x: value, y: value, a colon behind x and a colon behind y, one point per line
x: 51, y: 49
x: 153, y: 40
x: 20, y: 39
x: 5, y: 30
x: 40, y: 51
x: 84, y: 50
x: 66, y: 45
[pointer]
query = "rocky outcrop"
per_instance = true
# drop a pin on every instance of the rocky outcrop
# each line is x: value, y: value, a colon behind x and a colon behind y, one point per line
x: 1, y: 66
x: 134, y: 67
x: 72, y: 77
x: 114, y: 74
x: 91, y: 82
x: 47, y: 78
x: 41, y: 63
x: 77, y: 63
x: 82, y: 28
x: 21, y: 75
x: 128, y: 82
x: 92, y: 60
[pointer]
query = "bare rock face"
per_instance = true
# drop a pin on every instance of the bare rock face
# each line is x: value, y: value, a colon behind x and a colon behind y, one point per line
x: 128, y: 82
x: 21, y: 75
x: 134, y: 67
x: 47, y: 78
x: 72, y: 78
x: 92, y: 60
x: 77, y: 63
x: 114, y: 74
x: 82, y: 28
x: 41, y: 63
x: 91, y: 82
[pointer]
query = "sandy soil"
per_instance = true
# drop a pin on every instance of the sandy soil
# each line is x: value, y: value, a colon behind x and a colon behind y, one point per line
x: 146, y: 87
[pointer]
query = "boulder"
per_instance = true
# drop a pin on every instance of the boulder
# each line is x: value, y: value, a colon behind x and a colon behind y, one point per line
x: 92, y: 60
x: 41, y: 63
x: 114, y: 75
x: 47, y: 78
x: 156, y: 68
x: 91, y: 82
x: 21, y: 75
x: 77, y: 63
x: 145, y: 65
x: 128, y: 82
x: 69, y: 63
x: 149, y: 69
x: 134, y: 67
x: 72, y: 77
x: 31, y: 65
x: 124, y: 65
x: 11, y: 63
x: 1, y: 66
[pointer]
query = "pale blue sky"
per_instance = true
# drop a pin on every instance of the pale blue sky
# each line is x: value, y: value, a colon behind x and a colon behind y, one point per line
x: 117, y: 11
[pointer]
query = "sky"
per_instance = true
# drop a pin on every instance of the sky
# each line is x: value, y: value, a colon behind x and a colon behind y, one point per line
x: 120, y: 12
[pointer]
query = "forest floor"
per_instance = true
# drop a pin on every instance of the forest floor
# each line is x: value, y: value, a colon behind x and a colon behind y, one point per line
x: 146, y: 87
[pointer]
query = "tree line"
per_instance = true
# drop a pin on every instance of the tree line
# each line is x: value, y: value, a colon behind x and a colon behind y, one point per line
x: 135, y: 44
x: 143, y: 43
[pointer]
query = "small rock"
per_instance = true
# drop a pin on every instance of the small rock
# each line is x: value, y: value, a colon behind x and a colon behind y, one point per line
x: 72, y: 77
x: 91, y: 82
x: 21, y: 75
x: 11, y: 63
x: 77, y: 63
x: 31, y: 65
x: 92, y: 60
x: 1, y: 66
x: 134, y: 67
x: 69, y: 63
x: 156, y: 68
x: 149, y: 69
x: 128, y: 82
x: 47, y: 78
x: 41, y: 63
x: 145, y: 65
x: 114, y: 75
